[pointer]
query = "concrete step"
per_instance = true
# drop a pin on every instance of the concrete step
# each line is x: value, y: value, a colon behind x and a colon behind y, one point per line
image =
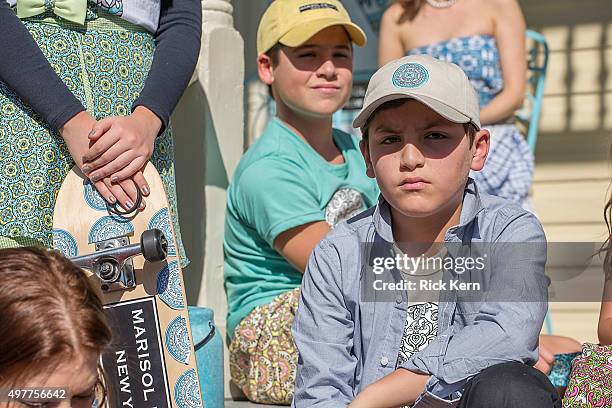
x: 246, y: 404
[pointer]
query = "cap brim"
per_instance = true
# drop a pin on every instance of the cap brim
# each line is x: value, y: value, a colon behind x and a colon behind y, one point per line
x: 441, y: 108
x: 303, y: 32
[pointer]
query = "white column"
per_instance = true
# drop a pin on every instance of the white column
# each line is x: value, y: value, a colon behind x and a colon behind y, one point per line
x: 209, y: 138
x: 220, y: 73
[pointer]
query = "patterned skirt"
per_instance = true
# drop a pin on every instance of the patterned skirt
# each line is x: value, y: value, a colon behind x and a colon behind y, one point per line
x: 508, y: 171
x: 590, y: 384
x: 105, y: 66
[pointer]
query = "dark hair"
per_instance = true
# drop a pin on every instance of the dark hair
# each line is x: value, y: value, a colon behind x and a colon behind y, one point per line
x: 411, y: 9
x: 469, y: 127
x: 49, y: 312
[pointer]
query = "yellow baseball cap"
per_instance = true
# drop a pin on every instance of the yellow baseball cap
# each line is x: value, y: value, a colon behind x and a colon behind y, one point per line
x: 293, y: 22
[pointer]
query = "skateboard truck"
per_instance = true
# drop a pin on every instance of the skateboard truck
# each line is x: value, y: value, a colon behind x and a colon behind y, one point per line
x: 112, y: 261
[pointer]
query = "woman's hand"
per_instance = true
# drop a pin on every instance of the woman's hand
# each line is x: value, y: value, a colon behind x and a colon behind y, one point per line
x: 121, y: 146
x: 74, y: 133
x: 123, y: 191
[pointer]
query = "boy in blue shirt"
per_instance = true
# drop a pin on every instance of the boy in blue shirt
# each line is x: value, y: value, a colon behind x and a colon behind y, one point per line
x: 357, y: 346
x: 297, y: 181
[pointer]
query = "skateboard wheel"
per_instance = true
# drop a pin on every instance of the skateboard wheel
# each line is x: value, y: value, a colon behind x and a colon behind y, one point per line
x: 154, y: 245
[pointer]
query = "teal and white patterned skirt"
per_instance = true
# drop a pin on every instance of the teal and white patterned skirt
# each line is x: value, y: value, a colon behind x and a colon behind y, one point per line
x: 105, y: 66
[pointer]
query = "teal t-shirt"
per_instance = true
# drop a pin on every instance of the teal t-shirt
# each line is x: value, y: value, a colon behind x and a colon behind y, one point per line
x: 281, y: 183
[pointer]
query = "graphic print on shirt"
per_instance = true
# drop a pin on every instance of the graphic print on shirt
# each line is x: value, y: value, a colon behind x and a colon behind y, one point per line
x: 344, y: 204
x: 111, y: 6
x: 421, y: 329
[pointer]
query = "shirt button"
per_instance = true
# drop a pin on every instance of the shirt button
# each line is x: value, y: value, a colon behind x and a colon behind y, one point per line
x: 384, y: 361
x: 398, y: 299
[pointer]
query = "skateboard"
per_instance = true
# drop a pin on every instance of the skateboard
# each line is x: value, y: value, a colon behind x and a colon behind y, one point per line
x: 134, y: 261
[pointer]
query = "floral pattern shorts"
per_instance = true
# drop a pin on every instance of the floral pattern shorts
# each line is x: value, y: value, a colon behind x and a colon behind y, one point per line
x: 263, y: 356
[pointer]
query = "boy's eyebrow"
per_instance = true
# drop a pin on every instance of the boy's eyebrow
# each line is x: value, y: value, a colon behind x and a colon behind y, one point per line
x: 435, y: 122
x: 385, y: 128
x: 428, y: 125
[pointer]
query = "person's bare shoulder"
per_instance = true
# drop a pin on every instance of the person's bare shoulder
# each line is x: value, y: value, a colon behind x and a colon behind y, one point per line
x: 507, y: 13
x: 393, y: 14
x: 501, y: 3
x: 501, y: 8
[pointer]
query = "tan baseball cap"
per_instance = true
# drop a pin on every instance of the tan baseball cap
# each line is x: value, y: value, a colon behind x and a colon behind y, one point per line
x: 440, y: 85
x: 293, y: 22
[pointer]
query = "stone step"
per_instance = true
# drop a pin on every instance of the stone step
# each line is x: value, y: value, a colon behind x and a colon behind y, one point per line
x: 246, y: 404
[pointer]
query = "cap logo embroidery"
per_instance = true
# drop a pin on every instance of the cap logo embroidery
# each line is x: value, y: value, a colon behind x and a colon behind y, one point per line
x: 317, y: 6
x: 410, y: 75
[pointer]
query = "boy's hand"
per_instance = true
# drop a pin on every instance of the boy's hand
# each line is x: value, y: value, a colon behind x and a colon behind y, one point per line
x: 122, y: 145
x: 545, y: 360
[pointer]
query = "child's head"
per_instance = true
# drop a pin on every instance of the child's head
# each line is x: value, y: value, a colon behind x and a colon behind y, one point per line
x: 53, y: 325
x: 305, y: 55
x: 422, y: 136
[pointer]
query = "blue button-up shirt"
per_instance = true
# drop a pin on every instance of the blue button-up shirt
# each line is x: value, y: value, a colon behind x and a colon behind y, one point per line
x: 347, y: 340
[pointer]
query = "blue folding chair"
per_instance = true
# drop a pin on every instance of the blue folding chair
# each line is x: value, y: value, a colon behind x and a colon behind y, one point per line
x: 529, y: 114
x: 537, y: 63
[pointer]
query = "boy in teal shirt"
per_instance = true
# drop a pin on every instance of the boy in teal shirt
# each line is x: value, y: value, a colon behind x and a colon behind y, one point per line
x: 292, y: 186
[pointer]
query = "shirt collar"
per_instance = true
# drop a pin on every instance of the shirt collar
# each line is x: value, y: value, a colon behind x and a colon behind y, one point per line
x: 472, y: 206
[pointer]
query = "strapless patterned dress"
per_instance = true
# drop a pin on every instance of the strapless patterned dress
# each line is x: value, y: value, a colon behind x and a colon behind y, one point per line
x: 508, y: 171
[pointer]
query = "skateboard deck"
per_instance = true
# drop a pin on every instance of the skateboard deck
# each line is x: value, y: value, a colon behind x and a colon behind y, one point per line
x: 151, y: 361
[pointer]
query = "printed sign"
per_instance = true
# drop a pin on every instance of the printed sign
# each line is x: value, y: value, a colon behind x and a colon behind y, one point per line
x: 134, y: 364
x: 355, y: 102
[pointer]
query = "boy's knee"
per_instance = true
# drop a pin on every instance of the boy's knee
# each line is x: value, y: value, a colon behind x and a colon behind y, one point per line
x: 511, y: 385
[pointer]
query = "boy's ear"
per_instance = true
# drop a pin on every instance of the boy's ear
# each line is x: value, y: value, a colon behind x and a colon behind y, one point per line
x: 265, y: 69
x: 363, y: 146
x: 480, y: 149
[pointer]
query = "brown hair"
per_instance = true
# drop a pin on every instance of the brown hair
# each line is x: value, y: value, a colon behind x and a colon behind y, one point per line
x: 411, y: 9
x: 469, y: 127
x: 272, y: 53
x: 49, y: 312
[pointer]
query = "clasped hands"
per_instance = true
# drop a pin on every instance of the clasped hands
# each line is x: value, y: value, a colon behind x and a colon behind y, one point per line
x: 113, y: 152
